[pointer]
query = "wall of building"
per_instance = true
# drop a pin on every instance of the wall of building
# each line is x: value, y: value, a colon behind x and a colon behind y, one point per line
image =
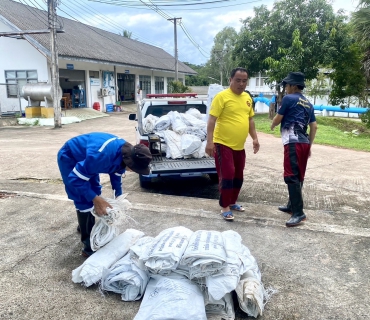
x: 18, y: 54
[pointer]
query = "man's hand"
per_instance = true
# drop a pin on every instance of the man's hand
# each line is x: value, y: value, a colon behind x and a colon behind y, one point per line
x: 256, y: 146
x: 100, y: 206
x: 209, y: 148
x: 272, y: 127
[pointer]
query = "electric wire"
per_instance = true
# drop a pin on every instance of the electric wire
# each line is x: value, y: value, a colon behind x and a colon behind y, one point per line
x: 34, y: 13
x: 120, y: 44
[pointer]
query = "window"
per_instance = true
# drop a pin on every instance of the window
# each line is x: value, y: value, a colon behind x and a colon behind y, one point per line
x: 159, y: 85
x: 17, y: 79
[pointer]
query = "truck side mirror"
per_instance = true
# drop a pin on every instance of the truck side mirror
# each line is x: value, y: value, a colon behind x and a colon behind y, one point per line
x: 132, y: 116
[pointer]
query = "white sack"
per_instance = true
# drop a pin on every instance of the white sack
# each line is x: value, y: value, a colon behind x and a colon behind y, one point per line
x: 125, y: 278
x: 107, y: 227
x: 90, y: 271
x: 201, y: 152
x: 250, y: 294
x: 138, y: 251
x: 191, y: 121
x: 176, y: 122
x: 173, y: 144
x: 205, y: 253
x: 195, y: 113
x: 149, y: 122
x: 198, y: 132
x: 163, y: 123
x: 239, y: 260
x: 167, y: 249
x: 169, y: 299
x: 213, y: 89
x: 189, y: 144
x: 223, y: 307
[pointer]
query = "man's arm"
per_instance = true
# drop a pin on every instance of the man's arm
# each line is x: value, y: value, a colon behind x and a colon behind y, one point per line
x: 276, y: 121
x: 253, y: 134
x: 313, y: 129
x: 210, y: 128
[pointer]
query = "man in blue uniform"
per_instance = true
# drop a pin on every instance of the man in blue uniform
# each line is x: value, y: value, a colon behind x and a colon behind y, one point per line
x: 80, y: 162
x: 296, y: 114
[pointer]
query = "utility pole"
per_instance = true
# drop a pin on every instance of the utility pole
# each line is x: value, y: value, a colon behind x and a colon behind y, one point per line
x: 52, y: 5
x: 176, y: 56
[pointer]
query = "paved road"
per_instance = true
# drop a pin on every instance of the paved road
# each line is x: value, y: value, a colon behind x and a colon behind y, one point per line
x: 320, y: 269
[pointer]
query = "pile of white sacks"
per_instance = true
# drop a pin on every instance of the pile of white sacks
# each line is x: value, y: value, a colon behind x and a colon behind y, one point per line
x: 184, y: 134
x: 180, y: 274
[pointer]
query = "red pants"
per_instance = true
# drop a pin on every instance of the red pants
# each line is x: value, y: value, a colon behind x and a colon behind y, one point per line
x: 295, y: 161
x: 230, y: 166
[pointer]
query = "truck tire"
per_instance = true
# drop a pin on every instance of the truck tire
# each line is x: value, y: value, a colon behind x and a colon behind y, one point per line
x: 213, y: 177
x: 145, y: 182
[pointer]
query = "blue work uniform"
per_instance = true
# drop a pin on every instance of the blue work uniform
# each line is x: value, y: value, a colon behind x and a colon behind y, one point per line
x: 82, y: 159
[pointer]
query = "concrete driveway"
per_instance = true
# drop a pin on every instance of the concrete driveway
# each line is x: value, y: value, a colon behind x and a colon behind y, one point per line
x: 320, y: 269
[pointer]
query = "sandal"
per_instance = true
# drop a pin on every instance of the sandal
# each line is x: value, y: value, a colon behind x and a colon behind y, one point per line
x: 228, y: 215
x: 237, y: 207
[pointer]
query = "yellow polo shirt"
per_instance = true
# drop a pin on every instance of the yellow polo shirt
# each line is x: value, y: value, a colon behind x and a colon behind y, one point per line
x: 232, y: 112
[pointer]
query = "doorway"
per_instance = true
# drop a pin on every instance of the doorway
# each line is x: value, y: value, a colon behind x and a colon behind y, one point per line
x: 126, y: 86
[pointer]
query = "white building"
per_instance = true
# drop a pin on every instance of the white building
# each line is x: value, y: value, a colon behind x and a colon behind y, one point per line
x: 94, y: 65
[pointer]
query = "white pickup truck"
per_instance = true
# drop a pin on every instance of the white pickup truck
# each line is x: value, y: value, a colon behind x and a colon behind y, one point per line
x: 159, y: 105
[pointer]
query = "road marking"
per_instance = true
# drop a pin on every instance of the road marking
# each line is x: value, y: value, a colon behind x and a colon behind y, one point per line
x: 310, y: 226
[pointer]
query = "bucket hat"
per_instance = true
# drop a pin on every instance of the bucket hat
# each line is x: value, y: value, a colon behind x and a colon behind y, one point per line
x: 137, y: 157
x: 294, y: 78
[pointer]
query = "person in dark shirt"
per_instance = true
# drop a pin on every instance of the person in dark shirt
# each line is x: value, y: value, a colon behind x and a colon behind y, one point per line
x: 295, y: 115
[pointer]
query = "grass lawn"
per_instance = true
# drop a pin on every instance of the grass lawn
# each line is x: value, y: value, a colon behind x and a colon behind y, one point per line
x: 331, y: 131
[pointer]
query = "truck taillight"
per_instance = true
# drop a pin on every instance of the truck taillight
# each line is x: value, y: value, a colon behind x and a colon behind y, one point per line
x: 177, y: 102
x: 144, y: 142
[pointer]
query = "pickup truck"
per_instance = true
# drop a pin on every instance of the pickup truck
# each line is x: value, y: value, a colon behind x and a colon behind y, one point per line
x: 159, y: 105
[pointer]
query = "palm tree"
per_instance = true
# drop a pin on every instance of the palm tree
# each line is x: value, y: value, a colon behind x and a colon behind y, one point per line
x: 361, y: 29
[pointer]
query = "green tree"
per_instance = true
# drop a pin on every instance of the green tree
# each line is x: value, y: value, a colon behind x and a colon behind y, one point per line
x: 360, y: 23
x: 349, y: 81
x: 319, y: 87
x: 126, y: 34
x: 281, y: 40
x: 221, y: 61
x: 177, y: 87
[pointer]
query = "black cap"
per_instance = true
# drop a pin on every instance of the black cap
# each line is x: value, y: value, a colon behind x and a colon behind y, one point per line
x: 294, y: 78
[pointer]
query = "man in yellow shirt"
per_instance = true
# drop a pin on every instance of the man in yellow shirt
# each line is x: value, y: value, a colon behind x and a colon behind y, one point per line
x: 229, y: 123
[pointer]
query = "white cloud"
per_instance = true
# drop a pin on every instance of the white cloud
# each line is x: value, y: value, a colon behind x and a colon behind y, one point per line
x: 202, y: 25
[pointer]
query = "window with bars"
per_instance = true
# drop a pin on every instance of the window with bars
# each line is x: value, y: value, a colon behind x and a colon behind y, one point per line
x: 17, y: 79
x: 159, y: 84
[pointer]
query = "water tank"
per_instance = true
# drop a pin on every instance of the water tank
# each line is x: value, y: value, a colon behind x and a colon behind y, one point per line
x: 37, y: 92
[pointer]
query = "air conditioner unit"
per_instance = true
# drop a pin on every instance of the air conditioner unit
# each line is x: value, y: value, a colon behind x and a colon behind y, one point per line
x: 104, y: 92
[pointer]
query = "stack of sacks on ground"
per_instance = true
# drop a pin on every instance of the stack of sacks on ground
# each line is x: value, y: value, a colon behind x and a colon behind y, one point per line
x: 184, y: 134
x: 182, y: 274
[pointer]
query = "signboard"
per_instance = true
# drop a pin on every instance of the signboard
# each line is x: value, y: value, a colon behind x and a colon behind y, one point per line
x: 70, y: 66
x: 94, y: 82
x: 127, y: 71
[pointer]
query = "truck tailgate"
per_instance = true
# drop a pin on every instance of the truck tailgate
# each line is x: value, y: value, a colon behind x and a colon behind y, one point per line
x: 163, y: 165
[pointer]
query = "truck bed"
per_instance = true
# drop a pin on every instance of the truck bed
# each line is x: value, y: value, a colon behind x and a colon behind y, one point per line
x: 161, y: 165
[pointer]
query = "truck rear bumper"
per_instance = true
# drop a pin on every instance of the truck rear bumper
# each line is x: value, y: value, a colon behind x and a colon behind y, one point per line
x: 161, y: 166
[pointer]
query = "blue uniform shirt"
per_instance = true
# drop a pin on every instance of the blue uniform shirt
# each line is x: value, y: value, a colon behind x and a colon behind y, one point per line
x: 95, y: 153
x: 298, y: 112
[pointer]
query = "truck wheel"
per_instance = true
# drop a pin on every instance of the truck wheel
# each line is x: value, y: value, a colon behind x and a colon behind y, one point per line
x: 145, y: 182
x: 213, y: 177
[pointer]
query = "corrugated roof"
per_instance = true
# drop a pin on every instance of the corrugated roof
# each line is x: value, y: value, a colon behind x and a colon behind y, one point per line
x: 82, y: 41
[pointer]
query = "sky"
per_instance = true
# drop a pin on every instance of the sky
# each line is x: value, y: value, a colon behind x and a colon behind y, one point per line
x: 201, y: 23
